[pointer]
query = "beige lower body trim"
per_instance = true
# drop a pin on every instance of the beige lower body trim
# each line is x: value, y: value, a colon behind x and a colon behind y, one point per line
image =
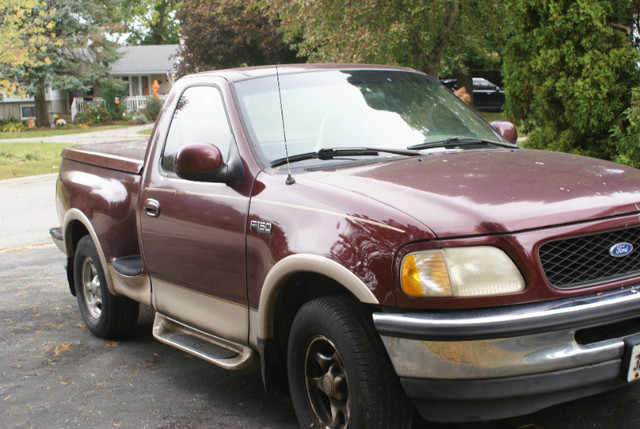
x: 137, y: 288
x: 210, y: 314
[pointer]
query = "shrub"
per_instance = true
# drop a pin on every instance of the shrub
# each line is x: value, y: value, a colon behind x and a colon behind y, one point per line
x: 114, y: 92
x: 96, y: 114
x: 154, y: 105
x: 140, y: 118
x: 13, y: 127
x: 626, y: 134
x: 569, y: 73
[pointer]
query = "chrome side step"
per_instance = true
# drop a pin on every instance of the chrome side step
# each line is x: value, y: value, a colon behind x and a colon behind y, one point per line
x: 213, y: 349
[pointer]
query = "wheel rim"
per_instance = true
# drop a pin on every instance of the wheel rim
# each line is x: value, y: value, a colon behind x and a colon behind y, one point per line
x: 92, y: 292
x: 326, y: 384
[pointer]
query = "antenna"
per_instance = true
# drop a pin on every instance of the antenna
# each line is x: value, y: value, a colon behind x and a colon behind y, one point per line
x: 290, y: 180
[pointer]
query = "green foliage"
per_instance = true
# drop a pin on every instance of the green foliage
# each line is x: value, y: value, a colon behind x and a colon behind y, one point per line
x: 413, y: 33
x: 151, y: 22
x: 95, y: 114
x: 11, y: 126
x: 229, y: 33
x: 140, y: 118
x: 569, y: 72
x: 154, y: 105
x: 24, y: 28
x: 626, y: 133
x: 74, y: 55
x: 114, y: 91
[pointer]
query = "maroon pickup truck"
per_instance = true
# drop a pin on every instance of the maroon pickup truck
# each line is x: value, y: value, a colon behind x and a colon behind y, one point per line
x: 360, y: 233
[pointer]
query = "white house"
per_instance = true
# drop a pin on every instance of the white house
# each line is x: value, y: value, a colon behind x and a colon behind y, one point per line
x: 140, y: 66
x: 22, y: 109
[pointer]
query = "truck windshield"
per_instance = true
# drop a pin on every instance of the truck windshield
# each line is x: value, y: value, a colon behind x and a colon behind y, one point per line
x: 386, y: 109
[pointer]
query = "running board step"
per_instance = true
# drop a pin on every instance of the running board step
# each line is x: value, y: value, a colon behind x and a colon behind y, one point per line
x: 213, y: 349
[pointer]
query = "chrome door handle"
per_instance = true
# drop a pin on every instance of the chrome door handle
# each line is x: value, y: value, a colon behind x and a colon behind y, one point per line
x: 151, y: 207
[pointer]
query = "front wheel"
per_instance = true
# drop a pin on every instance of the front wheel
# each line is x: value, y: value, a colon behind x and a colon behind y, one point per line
x: 339, y: 373
x: 106, y: 315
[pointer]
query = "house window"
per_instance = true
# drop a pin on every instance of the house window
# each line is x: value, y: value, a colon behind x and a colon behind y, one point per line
x: 27, y: 111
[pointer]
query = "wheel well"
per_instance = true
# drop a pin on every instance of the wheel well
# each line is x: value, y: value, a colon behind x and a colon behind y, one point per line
x: 297, y: 291
x: 78, y: 230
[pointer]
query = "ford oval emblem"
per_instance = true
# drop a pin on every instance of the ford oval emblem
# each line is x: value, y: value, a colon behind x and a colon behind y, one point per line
x: 619, y: 250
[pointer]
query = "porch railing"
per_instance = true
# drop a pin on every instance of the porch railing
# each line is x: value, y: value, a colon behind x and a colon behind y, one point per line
x: 137, y: 103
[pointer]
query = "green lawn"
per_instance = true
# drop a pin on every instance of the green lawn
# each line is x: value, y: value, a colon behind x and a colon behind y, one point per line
x: 493, y: 116
x: 47, y: 132
x: 29, y: 159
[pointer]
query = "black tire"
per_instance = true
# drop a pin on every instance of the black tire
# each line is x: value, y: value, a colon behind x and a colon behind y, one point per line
x: 106, y: 315
x: 339, y: 373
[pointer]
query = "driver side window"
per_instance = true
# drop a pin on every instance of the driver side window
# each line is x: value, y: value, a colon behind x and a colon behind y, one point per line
x: 199, y: 118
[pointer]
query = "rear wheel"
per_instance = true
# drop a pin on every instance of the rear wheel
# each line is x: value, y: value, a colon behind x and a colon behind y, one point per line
x: 106, y: 315
x: 339, y: 373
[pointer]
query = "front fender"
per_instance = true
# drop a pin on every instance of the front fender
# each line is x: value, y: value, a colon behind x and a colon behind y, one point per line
x: 262, y: 323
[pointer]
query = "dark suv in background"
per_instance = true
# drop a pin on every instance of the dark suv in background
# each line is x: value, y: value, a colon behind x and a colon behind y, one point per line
x: 487, y: 96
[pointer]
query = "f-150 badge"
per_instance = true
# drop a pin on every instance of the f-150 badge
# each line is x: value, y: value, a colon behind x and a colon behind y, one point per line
x: 261, y: 227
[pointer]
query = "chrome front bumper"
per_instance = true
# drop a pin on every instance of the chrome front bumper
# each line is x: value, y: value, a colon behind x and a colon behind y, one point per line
x: 443, y: 357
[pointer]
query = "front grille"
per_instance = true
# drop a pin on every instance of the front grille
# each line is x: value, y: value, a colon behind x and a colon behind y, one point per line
x: 585, y: 260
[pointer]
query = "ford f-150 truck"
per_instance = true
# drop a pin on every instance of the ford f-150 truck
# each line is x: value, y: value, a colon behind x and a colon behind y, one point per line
x: 367, y: 239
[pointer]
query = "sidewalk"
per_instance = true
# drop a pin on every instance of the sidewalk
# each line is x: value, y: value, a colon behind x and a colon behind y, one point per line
x: 108, y: 136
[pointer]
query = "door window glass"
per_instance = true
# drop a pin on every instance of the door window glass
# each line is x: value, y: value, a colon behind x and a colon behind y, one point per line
x: 199, y: 118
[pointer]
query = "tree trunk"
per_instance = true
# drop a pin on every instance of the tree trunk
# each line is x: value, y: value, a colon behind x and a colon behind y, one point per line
x: 432, y: 66
x: 466, y: 80
x: 42, y: 114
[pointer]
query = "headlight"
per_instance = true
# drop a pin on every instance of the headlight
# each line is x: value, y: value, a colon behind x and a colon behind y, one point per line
x: 460, y: 271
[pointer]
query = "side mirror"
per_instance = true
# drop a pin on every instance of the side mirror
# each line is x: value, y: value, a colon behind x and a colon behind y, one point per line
x: 196, y: 161
x: 507, y: 130
x: 202, y: 162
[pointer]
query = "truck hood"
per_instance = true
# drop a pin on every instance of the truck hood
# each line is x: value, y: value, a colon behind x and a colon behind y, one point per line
x: 484, y: 192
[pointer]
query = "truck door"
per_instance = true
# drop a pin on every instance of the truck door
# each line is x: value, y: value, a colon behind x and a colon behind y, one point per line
x: 193, y: 232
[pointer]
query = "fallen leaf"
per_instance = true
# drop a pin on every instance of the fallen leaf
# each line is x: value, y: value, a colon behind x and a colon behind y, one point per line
x: 66, y: 383
x: 62, y: 348
x: 111, y: 344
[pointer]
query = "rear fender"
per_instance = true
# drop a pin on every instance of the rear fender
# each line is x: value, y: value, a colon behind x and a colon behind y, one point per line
x: 75, y: 215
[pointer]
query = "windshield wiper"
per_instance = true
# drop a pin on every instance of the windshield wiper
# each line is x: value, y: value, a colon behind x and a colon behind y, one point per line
x: 329, y: 153
x: 456, y: 141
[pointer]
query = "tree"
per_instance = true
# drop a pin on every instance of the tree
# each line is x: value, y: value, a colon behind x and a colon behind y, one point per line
x: 477, y: 41
x: 413, y: 33
x: 569, y: 72
x: 74, y: 56
x: 228, y: 33
x: 24, y: 28
x: 151, y: 22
